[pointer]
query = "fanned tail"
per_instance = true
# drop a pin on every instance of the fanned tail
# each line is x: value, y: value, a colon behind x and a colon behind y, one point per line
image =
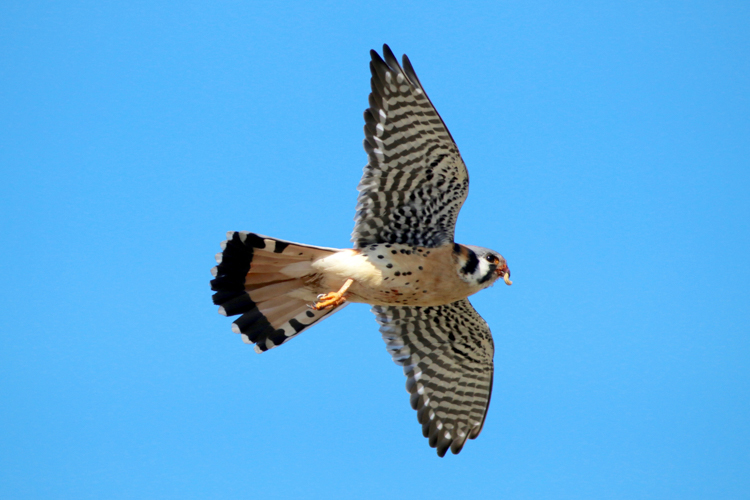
x: 264, y: 279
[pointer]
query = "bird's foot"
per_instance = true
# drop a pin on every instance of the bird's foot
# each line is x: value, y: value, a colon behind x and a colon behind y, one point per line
x: 332, y: 299
x: 328, y: 300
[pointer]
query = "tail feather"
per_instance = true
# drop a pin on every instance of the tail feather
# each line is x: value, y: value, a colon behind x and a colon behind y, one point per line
x: 277, y: 289
x: 237, y: 305
x: 259, y: 280
x: 263, y: 280
x: 281, y: 308
x: 267, y: 268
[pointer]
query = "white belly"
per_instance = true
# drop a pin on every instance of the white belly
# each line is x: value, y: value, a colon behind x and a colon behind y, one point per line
x: 387, y: 276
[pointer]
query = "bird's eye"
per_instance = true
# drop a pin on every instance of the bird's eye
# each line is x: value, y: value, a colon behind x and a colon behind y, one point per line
x: 492, y: 258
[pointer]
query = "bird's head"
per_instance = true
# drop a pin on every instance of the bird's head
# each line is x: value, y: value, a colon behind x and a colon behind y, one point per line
x: 480, y: 266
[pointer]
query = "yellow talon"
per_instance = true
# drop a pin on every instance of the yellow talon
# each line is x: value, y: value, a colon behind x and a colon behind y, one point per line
x: 332, y: 299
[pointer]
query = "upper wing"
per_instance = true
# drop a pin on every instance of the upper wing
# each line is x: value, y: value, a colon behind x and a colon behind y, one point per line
x: 446, y: 352
x: 415, y: 181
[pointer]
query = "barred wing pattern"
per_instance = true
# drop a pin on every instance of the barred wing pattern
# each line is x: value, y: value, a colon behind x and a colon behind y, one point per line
x: 415, y: 181
x: 446, y: 352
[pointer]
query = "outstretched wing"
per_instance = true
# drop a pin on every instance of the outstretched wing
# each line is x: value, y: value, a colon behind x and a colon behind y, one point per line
x: 446, y: 352
x: 415, y: 181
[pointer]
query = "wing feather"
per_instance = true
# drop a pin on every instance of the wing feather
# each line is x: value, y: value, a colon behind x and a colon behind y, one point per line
x: 415, y: 181
x: 446, y: 352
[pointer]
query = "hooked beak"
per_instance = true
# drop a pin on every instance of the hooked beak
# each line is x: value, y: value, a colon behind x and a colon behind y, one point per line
x: 504, y: 273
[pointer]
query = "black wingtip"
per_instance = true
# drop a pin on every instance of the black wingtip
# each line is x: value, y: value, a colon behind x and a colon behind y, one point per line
x: 376, y: 57
x: 390, y: 61
x: 458, y: 444
x: 409, y: 71
x: 390, y: 58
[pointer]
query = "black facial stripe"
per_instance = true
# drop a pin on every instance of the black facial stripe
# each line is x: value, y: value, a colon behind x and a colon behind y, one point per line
x: 471, y: 263
x: 489, y: 274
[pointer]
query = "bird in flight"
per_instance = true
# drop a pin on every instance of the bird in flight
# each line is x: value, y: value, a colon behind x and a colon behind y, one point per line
x: 404, y: 263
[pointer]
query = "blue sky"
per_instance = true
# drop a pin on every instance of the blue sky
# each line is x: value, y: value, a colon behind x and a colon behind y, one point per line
x: 608, y: 151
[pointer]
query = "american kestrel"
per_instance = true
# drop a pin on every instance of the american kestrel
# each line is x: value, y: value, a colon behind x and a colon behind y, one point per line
x: 404, y: 263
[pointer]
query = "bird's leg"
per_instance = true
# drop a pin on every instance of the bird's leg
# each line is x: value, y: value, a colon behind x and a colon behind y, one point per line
x: 333, y: 299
